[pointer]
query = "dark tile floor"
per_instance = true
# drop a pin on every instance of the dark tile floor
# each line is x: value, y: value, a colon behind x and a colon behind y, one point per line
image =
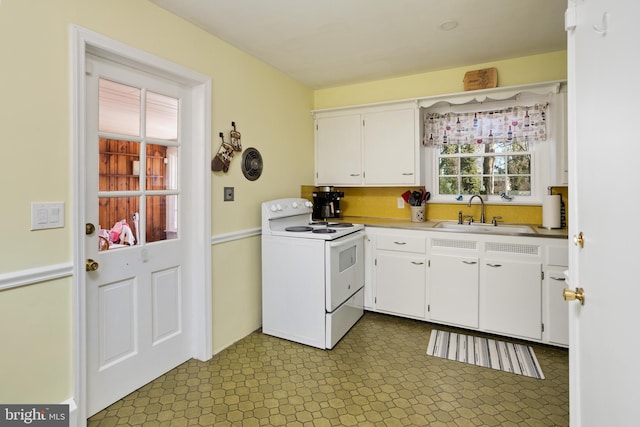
x: 378, y: 375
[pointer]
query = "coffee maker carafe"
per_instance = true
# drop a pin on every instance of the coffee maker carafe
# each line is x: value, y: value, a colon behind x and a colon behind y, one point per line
x: 326, y: 203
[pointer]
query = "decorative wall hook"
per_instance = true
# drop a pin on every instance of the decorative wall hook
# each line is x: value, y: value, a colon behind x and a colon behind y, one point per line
x: 602, y: 29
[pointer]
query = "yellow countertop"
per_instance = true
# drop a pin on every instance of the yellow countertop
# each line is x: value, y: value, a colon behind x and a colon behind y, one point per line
x: 428, y: 225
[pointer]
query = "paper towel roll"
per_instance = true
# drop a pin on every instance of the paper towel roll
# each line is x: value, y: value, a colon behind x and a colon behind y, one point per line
x: 551, y: 211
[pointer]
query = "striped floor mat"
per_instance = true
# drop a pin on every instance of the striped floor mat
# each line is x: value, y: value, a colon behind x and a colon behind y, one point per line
x: 504, y: 356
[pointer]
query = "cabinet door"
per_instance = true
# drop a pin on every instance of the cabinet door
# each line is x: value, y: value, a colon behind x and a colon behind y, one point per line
x: 512, y: 293
x: 339, y: 150
x: 389, y: 147
x: 400, y: 284
x: 453, y: 290
x: 557, y: 319
x: 369, y: 259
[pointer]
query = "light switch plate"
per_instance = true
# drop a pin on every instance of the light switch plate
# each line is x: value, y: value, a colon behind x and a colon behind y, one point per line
x: 46, y: 215
x: 229, y: 194
x: 400, y: 203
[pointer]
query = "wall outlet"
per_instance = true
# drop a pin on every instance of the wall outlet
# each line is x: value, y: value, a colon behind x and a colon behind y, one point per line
x: 400, y: 203
x: 228, y: 194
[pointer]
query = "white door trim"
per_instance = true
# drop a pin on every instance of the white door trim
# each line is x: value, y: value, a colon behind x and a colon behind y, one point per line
x: 199, y: 208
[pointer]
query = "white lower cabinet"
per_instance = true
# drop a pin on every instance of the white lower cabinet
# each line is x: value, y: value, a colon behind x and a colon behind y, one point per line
x: 512, y: 295
x: 557, y: 319
x: 453, y: 290
x: 506, y: 285
x: 400, y: 283
x: 369, y: 262
x: 399, y: 273
x: 556, y: 309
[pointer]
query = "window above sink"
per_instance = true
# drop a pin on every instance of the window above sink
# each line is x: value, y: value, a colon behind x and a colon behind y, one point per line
x: 477, y: 152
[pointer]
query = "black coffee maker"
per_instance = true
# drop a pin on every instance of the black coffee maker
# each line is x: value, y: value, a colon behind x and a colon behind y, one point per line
x: 326, y: 203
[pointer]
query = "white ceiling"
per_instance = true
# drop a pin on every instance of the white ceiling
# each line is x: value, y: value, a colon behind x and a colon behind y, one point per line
x: 326, y: 43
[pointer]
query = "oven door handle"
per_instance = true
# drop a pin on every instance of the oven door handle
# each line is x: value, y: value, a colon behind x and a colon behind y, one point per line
x: 347, y: 240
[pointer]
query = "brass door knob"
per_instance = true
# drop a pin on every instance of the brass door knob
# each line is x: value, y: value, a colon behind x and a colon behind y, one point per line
x: 91, y: 265
x: 571, y: 295
x: 578, y: 240
x: 89, y: 228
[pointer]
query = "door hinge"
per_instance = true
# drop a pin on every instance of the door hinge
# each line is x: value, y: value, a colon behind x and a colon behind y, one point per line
x: 542, y: 328
x: 375, y: 300
x: 542, y: 275
x: 428, y: 308
x: 375, y: 262
x: 429, y: 263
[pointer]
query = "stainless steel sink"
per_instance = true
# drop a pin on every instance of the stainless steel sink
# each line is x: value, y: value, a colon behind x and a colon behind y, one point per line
x: 476, y: 227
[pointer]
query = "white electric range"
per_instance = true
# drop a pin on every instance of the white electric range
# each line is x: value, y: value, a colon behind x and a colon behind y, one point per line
x: 312, y: 274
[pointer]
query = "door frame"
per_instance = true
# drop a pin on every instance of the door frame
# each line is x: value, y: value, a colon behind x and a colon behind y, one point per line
x: 198, y: 224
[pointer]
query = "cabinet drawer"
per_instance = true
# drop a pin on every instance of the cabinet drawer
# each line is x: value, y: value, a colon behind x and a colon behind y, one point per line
x: 402, y: 242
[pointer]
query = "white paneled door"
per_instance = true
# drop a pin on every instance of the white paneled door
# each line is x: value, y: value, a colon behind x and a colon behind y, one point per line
x: 602, y: 68
x: 136, y: 292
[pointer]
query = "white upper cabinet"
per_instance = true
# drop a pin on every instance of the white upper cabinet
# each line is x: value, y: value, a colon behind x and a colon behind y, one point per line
x: 389, y: 147
x: 372, y: 146
x: 338, y: 150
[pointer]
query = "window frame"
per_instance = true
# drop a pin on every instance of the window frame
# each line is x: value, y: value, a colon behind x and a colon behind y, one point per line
x: 544, y: 156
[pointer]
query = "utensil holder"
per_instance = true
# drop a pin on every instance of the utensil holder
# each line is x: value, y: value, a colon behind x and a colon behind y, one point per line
x: 417, y: 213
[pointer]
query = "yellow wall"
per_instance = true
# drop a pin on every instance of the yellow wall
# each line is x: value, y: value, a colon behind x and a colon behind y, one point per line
x: 35, y: 321
x: 270, y: 110
x: 511, y: 72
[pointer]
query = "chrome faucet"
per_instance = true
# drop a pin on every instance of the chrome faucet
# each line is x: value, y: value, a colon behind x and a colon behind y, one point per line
x: 481, y: 208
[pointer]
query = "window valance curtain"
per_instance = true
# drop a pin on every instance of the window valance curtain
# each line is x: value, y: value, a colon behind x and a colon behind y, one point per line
x: 509, y: 125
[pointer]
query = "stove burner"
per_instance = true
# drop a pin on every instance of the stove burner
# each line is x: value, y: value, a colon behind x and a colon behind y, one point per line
x: 299, y: 228
x: 324, y: 230
x: 340, y: 225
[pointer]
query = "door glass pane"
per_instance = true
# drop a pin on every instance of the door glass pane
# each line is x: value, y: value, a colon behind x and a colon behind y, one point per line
x: 119, y: 165
x: 162, y: 218
x: 118, y: 108
x: 162, y: 117
x: 156, y: 155
x: 119, y: 222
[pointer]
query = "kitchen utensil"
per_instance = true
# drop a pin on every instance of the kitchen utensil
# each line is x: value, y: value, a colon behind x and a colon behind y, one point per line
x: 416, y: 198
x: 405, y: 196
x: 412, y: 199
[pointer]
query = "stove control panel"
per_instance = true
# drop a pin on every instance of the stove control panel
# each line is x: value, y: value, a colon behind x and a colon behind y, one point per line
x: 287, y: 207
